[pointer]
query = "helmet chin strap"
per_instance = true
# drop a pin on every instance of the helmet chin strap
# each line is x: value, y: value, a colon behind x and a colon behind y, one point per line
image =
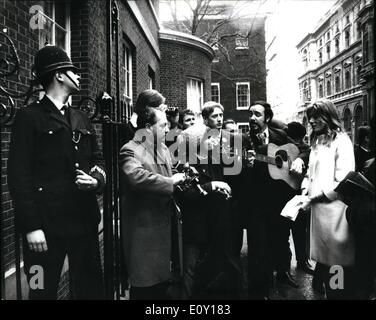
x: 72, y: 80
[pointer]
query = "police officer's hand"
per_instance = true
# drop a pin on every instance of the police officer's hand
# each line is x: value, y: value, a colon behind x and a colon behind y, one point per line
x: 37, y: 241
x: 85, y: 182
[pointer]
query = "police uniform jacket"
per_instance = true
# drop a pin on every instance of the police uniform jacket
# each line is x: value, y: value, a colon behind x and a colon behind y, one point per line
x: 45, y: 151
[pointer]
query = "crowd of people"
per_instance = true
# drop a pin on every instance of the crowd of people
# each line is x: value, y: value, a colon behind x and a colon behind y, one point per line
x: 197, y: 195
x: 239, y: 212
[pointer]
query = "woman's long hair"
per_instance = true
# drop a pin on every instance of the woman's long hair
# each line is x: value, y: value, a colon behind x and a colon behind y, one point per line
x: 326, y: 111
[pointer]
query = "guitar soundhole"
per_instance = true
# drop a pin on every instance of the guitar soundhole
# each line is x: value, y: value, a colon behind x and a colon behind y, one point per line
x: 281, y: 156
x: 278, y: 162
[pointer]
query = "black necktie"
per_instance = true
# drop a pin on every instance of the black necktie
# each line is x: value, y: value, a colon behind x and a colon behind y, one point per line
x: 66, y: 113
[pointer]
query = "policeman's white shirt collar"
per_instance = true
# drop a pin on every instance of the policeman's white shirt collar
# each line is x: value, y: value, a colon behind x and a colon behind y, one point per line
x: 58, y: 104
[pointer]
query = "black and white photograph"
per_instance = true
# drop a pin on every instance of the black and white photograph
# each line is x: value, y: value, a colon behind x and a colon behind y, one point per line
x: 189, y: 154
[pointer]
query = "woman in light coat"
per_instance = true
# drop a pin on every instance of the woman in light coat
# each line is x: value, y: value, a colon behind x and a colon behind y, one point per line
x: 331, y: 159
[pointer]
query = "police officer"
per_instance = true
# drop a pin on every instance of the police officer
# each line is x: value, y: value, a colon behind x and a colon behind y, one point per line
x: 54, y: 175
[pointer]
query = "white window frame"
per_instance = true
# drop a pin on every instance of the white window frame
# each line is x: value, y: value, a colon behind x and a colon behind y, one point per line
x: 67, y: 28
x: 218, y: 85
x: 215, y: 45
x: 238, y: 124
x: 128, y: 81
x: 151, y: 78
x: 241, y: 46
x: 43, y: 17
x: 192, y: 99
x: 249, y: 95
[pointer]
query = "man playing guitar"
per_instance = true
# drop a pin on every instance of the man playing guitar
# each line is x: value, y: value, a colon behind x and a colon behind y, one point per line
x: 263, y: 199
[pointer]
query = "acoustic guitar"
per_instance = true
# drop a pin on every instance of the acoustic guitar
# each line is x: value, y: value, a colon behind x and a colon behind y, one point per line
x: 279, y: 160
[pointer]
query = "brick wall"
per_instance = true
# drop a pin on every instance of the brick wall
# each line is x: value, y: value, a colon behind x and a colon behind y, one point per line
x: 245, y: 65
x: 178, y: 63
x: 143, y: 54
x: 15, y: 17
x: 89, y: 53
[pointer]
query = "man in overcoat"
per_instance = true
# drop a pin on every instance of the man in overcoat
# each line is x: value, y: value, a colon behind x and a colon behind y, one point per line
x: 54, y: 173
x: 147, y: 205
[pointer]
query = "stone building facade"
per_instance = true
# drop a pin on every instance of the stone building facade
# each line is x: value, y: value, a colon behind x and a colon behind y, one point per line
x: 338, y: 63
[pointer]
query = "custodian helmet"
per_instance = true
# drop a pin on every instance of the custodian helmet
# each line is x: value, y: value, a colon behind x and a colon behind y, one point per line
x: 51, y: 58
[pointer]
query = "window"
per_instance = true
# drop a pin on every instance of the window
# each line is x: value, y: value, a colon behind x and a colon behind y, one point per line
x: 365, y: 46
x: 56, y: 24
x: 241, y: 42
x: 347, y: 19
x: 347, y: 121
x: 357, y: 73
x: 337, y: 83
x: 127, y: 71
x: 347, y: 79
x: 320, y: 43
x: 328, y: 35
x: 215, y: 40
x: 321, y: 91
x: 358, y: 31
x: 194, y: 95
x: 320, y: 57
x: 126, y: 80
x: 305, y: 92
x: 242, y: 95
x: 358, y: 118
x: 215, y: 92
x: 328, y: 88
x: 151, y: 78
x: 328, y: 51
x: 243, y: 127
x: 347, y: 38
x: 336, y: 44
x: 336, y: 29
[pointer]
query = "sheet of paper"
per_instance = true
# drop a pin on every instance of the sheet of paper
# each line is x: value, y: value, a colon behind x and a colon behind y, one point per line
x: 291, y: 209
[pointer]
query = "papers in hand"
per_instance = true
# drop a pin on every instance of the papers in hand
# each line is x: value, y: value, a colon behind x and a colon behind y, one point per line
x: 291, y: 209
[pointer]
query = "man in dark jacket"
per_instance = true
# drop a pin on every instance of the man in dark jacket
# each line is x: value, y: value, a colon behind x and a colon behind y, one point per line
x: 54, y: 174
x: 263, y: 200
x: 211, y: 266
x: 296, y: 133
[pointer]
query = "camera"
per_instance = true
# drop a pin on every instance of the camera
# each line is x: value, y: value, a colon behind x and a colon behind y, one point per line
x: 172, y: 112
x: 192, y: 180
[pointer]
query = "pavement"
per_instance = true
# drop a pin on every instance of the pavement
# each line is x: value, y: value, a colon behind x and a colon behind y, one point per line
x: 280, y: 291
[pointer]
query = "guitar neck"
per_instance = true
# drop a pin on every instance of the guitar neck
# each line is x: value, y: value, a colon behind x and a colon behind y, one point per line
x: 265, y: 158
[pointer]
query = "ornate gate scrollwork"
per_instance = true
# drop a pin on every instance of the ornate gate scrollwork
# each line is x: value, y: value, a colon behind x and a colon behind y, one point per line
x: 10, y: 68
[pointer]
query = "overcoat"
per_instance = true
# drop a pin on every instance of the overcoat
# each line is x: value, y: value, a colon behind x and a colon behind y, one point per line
x: 332, y: 242
x: 147, y: 189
